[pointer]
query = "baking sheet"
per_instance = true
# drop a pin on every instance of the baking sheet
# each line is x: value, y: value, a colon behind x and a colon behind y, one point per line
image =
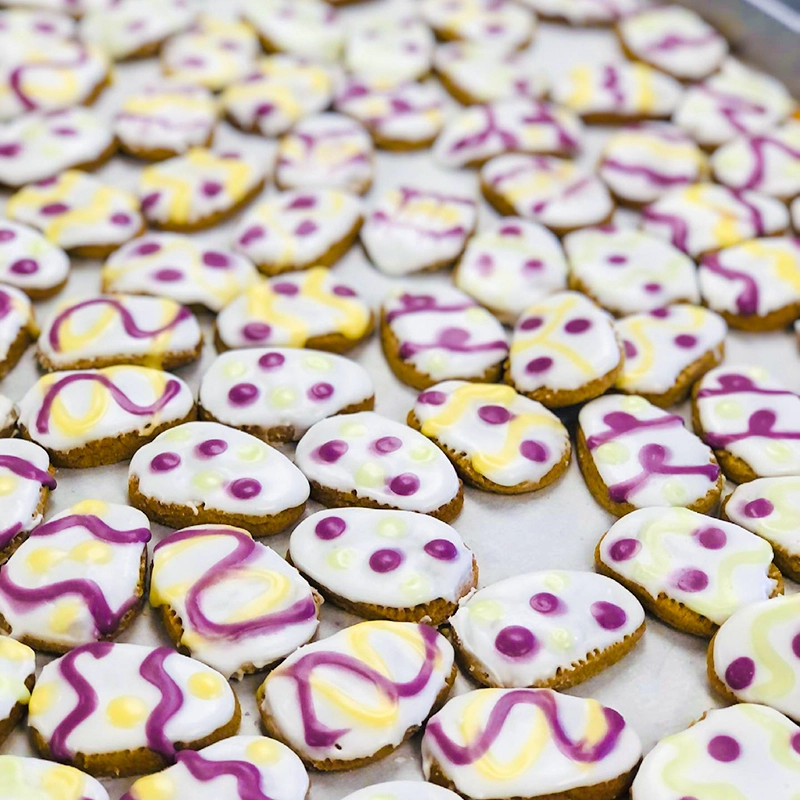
x: 661, y: 686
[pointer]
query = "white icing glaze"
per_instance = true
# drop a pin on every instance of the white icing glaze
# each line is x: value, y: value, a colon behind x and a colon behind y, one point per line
x: 753, y: 278
x: 178, y: 267
x: 33, y: 24
x: 8, y: 414
x: 519, y: 124
x: 278, y: 92
x: 563, y: 342
x: 281, y: 388
x: 326, y: 150
x: 552, y: 191
x: 511, y: 266
x: 617, y: 90
x: 525, y: 630
x: 17, y: 665
x: 127, y: 713
x: 16, y: 317
x: 66, y: 410
x: 294, y: 229
x: 28, y: 261
x: 713, y: 568
x: 76, y: 576
x: 236, y: 768
x: 209, y: 465
x: 628, y: 271
x: 506, y: 438
x: 378, y: 460
x: 127, y: 327
x: 675, y: 40
x: 537, y: 741
x: 587, y: 12
x: 34, y: 779
x: 737, y: 100
x: 659, y: 345
x: 191, y: 188
x: 74, y: 8
x: 641, y: 163
x: 443, y: 333
x: 291, y: 309
x: 239, y: 603
x: 412, y: 230
x: 753, y: 416
x: 394, y: 559
x: 704, y: 217
x: 747, y: 752
x: 402, y: 790
x: 355, y: 710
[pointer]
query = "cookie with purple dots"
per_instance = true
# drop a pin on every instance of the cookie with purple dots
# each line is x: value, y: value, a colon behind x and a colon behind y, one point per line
x: 28, y: 261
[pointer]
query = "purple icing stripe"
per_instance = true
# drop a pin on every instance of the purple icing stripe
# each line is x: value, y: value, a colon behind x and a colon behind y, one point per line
x: 738, y: 384
x: 153, y: 671
x: 418, y: 303
x: 246, y: 775
x: 620, y: 422
x: 747, y: 301
x: 18, y: 75
x: 657, y: 178
x: 28, y: 471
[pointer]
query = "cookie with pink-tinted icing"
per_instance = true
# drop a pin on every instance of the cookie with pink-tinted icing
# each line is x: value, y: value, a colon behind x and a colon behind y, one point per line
x: 17, y: 676
x: 30, y: 262
x: 18, y: 327
x: 587, y: 12
x: 635, y: 455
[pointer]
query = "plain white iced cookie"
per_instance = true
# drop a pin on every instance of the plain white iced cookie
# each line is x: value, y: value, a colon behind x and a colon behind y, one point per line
x: 30, y: 262
x: 33, y: 779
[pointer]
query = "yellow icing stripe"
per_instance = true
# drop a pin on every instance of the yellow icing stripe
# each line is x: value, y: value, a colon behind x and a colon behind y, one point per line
x: 782, y: 262
x: 675, y: 772
x: 582, y: 92
x: 277, y: 587
x: 781, y: 680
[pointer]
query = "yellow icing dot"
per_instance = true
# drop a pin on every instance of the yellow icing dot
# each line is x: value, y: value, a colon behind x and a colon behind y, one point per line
x: 179, y: 434
x: 207, y: 480
x: 421, y: 453
x: 7, y: 484
x: 251, y: 452
x: 392, y: 528
x: 126, y: 711
x: 234, y: 369
x: 92, y: 553
x: 556, y: 580
x: 758, y: 373
x: 206, y: 686
x: 634, y: 404
x: 416, y: 587
x: 43, y: 559
x: 154, y: 787
x: 476, y: 314
x: 64, y: 615
x: 321, y: 363
x: 612, y: 453
x: 43, y: 697
x: 370, y: 475
x: 94, y: 507
x: 12, y: 650
x: 778, y: 451
x: 342, y: 558
x: 352, y: 429
x: 435, y: 362
x: 282, y: 397
x: 675, y: 492
x: 486, y: 610
x: 561, y: 638
x: 728, y: 409
x: 63, y: 782
x: 264, y: 752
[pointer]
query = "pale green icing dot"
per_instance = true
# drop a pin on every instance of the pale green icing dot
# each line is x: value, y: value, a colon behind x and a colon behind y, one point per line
x: 476, y: 314
x: 370, y: 475
x: 207, y: 480
x: 342, y: 558
x: 634, y: 404
x: 675, y: 492
x: 416, y: 587
x: 421, y: 453
x: 234, y: 369
x: 251, y: 452
x: 352, y: 429
x: 179, y: 434
x: 757, y: 373
x: 728, y: 409
x: 556, y: 580
x: 486, y: 610
x: 282, y: 397
x: 561, y: 639
x: 435, y: 361
x: 318, y: 362
x: 392, y: 528
x: 612, y: 453
x: 779, y: 451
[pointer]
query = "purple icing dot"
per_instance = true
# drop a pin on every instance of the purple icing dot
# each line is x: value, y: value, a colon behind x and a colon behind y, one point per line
x: 652, y: 288
x: 285, y: 287
x: 624, y: 549
x: 692, y: 580
x: 758, y: 508
x: 24, y: 266
x: 533, y: 451
x: 630, y: 348
x: 724, y: 748
x: 332, y: 451
x: 660, y: 313
x: 245, y: 488
x: 578, y: 325
x: 441, y: 549
x: 433, y: 398
x: 52, y: 209
x: 243, y: 394
x: 10, y: 150
x: 164, y: 462
x: 343, y: 291
x: 494, y: 415
x: 712, y: 538
x: 531, y: 324
x: 329, y: 528
x: 147, y: 248
x: 405, y: 484
x: 740, y: 673
x: 256, y: 331
x: 541, y: 364
x: 387, y: 444
x: 546, y: 603
x: 617, y: 259
x: 264, y: 109
x: 251, y: 235
x: 168, y: 275
x: 213, y: 259
x: 608, y: 616
x: 212, y: 447
x: 271, y: 360
x: 686, y: 341
x: 211, y: 188
x: 796, y: 743
x: 533, y: 265
x: 7, y: 235
x: 515, y: 641
x: 149, y: 200
x: 796, y: 645
x: 306, y: 228
x: 385, y: 560
x: 320, y: 391
x: 303, y: 201
x: 121, y: 219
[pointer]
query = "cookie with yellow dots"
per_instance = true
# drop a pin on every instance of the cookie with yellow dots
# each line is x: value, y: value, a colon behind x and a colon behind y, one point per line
x: 206, y: 472
x: 78, y: 578
x: 17, y: 666
x: 114, y: 709
x: 25, y: 778
x: 18, y: 327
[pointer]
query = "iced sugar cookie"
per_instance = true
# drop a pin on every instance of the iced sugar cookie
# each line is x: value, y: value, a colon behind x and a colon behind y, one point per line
x: 751, y: 420
x: 530, y: 743
x: 299, y: 229
x: 18, y: 327
x: 498, y: 440
x: 511, y: 266
x: 628, y: 272
x: 474, y: 72
x: 520, y: 124
x: 165, y: 119
x: 207, y: 473
x: 30, y: 262
x: 586, y: 12
x: 634, y: 455
x: 747, y: 752
x: 641, y: 163
x: 442, y: 333
x: 673, y: 39
x: 34, y: 779
x: 199, y: 189
x: 238, y: 768
x: 92, y: 417
x: 564, y: 351
x: 215, y: 52
x: 546, y: 629
x: 26, y: 478
x: 770, y: 507
x: 229, y: 601
x: 689, y: 570
x: 180, y: 268
x: 78, y: 578
x: 668, y: 350
x: 8, y: 417
x: 17, y: 665
x: 795, y: 215
x: 752, y: 649
x: 34, y: 24
x: 405, y: 116
x: 277, y: 394
x: 276, y: 93
x: 78, y: 213
x: 123, y: 709
x: 402, y: 790
x: 607, y: 93
x: 552, y: 191
x: 702, y: 218
x: 74, y: 8
x: 417, y: 230
x: 119, y: 329
x: 502, y: 24
x: 365, y: 459
x: 737, y: 100
x: 310, y: 29
x: 325, y: 151
x: 385, y: 564
x: 754, y: 285
x: 297, y: 309
x: 135, y: 28
x: 39, y: 146
x: 356, y: 696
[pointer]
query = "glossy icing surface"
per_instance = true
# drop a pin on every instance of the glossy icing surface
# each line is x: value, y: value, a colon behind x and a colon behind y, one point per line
x: 35, y: 778
x: 28, y: 260
x: 17, y: 665
x: 16, y: 319
x: 587, y: 12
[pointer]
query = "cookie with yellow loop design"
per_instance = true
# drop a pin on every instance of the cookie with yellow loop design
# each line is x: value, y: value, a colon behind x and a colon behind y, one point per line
x: 18, y: 327
x: 498, y: 440
x: 25, y: 778
x: 17, y: 668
